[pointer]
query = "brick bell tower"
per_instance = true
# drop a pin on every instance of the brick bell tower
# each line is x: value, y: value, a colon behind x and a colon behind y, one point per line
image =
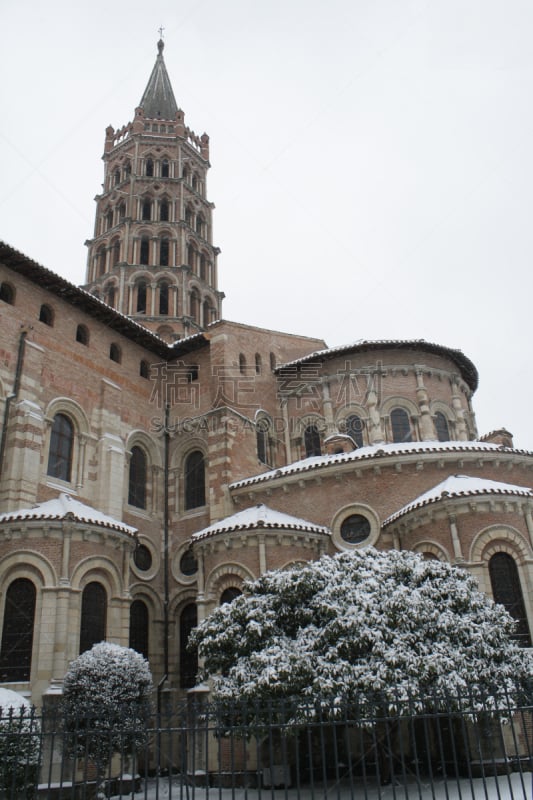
x: 152, y: 256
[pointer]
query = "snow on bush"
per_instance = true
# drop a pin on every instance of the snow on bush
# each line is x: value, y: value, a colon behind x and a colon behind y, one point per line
x: 19, y: 745
x: 388, y: 624
x: 106, y: 702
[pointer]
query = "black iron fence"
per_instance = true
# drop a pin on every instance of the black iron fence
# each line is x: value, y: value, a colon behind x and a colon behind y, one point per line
x: 454, y: 747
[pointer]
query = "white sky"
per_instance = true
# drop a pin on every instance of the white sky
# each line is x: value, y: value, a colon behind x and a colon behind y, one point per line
x: 372, y: 160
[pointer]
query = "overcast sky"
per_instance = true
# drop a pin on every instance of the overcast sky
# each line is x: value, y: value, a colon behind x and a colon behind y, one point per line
x: 372, y: 160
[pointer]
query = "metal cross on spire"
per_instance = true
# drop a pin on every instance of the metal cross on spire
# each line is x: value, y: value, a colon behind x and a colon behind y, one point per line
x: 161, y: 29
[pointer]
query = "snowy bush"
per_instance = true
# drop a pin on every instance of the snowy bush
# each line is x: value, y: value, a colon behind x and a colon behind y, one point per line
x: 19, y: 745
x: 365, y: 623
x: 106, y: 703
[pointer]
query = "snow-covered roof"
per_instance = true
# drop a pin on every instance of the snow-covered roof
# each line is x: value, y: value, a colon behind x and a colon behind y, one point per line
x: 460, y: 486
x: 376, y: 451
x: 66, y: 507
x: 260, y: 517
x: 467, y: 368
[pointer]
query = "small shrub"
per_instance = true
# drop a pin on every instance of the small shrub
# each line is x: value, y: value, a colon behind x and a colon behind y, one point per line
x: 19, y: 746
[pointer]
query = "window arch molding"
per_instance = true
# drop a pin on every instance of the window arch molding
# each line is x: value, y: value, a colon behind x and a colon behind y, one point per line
x: 101, y: 569
x: 305, y: 426
x: 438, y: 407
x: 195, y: 484
x: 7, y: 293
x: 436, y: 550
x: 499, y: 538
x: 352, y: 510
x: 223, y: 576
x: 352, y: 410
x: 405, y: 405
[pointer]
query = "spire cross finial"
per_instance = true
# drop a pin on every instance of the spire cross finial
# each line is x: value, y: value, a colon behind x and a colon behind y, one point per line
x: 161, y: 29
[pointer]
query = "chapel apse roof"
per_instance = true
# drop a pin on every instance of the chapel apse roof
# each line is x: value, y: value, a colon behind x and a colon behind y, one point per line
x: 260, y: 517
x: 65, y: 507
x: 466, y: 367
x: 372, y: 453
x: 458, y: 486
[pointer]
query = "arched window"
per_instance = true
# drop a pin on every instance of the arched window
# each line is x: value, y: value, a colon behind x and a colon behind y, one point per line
x: 229, y: 595
x: 141, y: 297
x: 272, y: 361
x: 203, y: 269
x: 165, y: 168
x: 114, y: 353
x: 61, y: 448
x: 115, y: 252
x: 242, y: 363
x: 145, y: 250
x: 188, y: 661
x: 188, y: 216
x: 93, y: 615
x: 258, y: 364
x: 195, y: 306
x: 146, y: 212
x: 354, y: 428
x: 139, y: 626
x: 109, y: 219
x: 17, y: 631
x: 401, y: 426
x: 506, y: 590
x: 7, y: 293
x: 163, y: 211
x: 163, y: 298
x: 200, y: 225
x: 206, y: 312
x: 312, y: 441
x: 101, y: 260
x: 149, y: 170
x: 441, y: 426
x: 262, y: 430
x: 116, y: 176
x: 195, y: 182
x: 46, y: 315
x: 164, y: 252
x: 82, y: 334
x: 144, y: 369
x: 137, y: 478
x: 194, y: 480
x: 111, y: 295
x: 122, y: 211
x: 185, y: 173
x: 191, y: 257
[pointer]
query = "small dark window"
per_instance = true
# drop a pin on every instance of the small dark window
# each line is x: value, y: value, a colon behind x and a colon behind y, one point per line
x: 242, y: 363
x: 145, y: 250
x: 82, y: 335
x: 229, y: 594
x: 272, y: 361
x: 355, y: 529
x: 114, y: 353
x: 141, y: 297
x: 262, y: 435
x: 7, y: 293
x: 188, y: 216
x: 163, y: 298
x: 146, y: 210
x: 163, y: 252
x: 142, y: 558
x: 122, y: 211
x: 188, y: 661
x: 111, y: 294
x: 164, y: 168
x: 149, y: 168
x: 163, y: 211
x: 312, y: 441
x: 401, y: 426
x: 194, y: 480
x: 115, y: 252
x: 195, y: 305
x: 507, y: 591
x: 203, y: 270
x: 116, y: 176
x: 258, y: 364
x: 61, y: 447
x: 139, y: 626
x: 17, y: 631
x: 101, y: 260
x: 93, y: 615
x: 46, y: 315
x: 200, y: 225
x: 188, y: 563
x: 354, y: 428
x: 137, y: 478
x: 109, y: 220
x: 195, y: 182
x: 441, y: 426
x: 144, y: 369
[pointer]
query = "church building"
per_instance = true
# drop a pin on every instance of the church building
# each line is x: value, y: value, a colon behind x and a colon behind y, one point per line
x: 154, y: 455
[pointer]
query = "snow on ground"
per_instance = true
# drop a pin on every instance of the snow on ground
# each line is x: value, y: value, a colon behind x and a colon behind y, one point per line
x: 508, y: 787
x: 14, y: 700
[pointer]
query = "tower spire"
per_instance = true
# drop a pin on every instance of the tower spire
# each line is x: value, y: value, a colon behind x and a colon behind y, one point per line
x: 158, y: 101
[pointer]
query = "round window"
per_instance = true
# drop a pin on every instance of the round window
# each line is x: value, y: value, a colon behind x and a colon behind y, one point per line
x: 142, y: 558
x: 355, y: 529
x: 188, y: 563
